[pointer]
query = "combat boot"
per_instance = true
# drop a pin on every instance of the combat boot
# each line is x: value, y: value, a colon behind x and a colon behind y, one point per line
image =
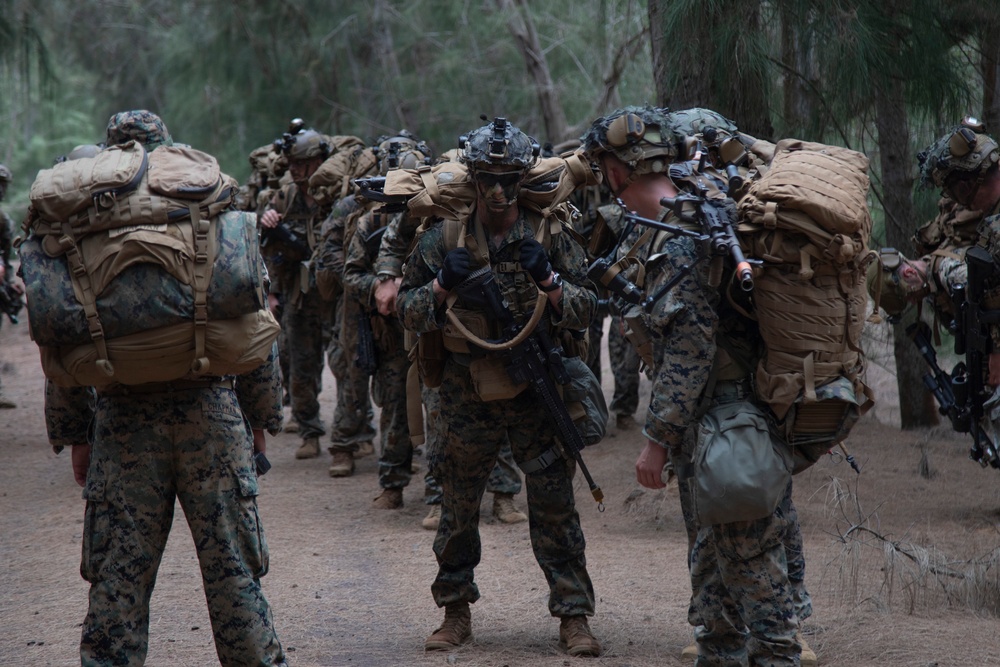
x: 808, y: 658
x: 690, y: 652
x: 290, y: 426
x: 433, y: 518
x: 625, y: 422
x: 309, y: 448
x: 576, y: 638
x: 455, y: 631
x: 366, y: 448
x: 342, y: 464
x: 504, y: 510
x: 6, y: 404
x: 389, y: 499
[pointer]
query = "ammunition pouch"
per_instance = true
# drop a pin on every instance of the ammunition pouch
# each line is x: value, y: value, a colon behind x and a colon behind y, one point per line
x: 492, y: 381
x: 584, y: 400
x: 637, y: 333
x: 474, y: 320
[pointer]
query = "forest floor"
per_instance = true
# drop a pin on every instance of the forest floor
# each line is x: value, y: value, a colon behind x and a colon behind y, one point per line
x: 903, y: 559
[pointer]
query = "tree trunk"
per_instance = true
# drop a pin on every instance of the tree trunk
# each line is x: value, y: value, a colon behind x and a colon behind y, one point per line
x: 897, y: 185
x: 989, y: 68
x: 523, y: 30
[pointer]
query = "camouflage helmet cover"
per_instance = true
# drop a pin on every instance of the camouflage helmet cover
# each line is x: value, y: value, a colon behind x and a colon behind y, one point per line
x: 642, y: 137
x: 965, y: 148
x: 306, y: 145
x: 500, y: 143
x: 139, y: 125
x: 5, y: 175
x: 402, y: 151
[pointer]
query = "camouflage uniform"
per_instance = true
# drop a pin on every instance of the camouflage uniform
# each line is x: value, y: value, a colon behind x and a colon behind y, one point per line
x: 352, y: 417
x: 504, y: 478
x: 154, y: 445
x: 137, y: 470
x: 474, y: 431
x: 306, y: 318
x: 389, y: 381
x: 739, y: 574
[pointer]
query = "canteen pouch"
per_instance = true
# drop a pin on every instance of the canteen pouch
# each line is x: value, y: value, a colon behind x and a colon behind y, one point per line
x: 740, y: 471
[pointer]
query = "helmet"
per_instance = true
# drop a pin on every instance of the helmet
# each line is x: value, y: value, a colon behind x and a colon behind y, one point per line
x: 139, y: 125
x: 403, y: 151
x: 306, y: 145
x: 498, y: 144
x: 641, y: 137
x: 965, y: 148
x: 718, y: 135
x: 84, y: 151
x: 5, y: 175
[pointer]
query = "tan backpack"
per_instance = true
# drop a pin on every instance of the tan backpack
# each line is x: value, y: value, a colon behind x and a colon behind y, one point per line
x: 807, y: 218
x: 137, y: 271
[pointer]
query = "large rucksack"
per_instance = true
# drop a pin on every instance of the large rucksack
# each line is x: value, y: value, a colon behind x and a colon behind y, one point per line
x: 807, y: 218
x: 137, y: 270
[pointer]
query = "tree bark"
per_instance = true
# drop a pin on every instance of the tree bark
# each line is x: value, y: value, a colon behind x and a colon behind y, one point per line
x: 522, y: 28
x: 892, y: 122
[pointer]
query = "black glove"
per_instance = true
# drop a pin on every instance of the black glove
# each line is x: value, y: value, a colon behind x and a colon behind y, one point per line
x: 455, y: 269
x: 534, y: 260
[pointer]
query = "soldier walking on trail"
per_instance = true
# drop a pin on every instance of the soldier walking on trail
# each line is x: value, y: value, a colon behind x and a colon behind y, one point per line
x: 139, y: 448
x: 500, y: 237
x: 290, y: 230
x: 739, y: 577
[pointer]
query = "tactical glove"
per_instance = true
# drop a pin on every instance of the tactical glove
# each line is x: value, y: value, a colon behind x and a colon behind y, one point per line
x: 534, y: 260
x: 455, y: 269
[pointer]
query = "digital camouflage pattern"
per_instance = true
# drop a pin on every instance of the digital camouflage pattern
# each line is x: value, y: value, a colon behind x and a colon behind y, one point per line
x: 389, y: 382
x: 641, y: 146
x: 961, y: 149
x: 307, y: 318
x: 138, y: 469
x: 625, y: 365
x: 139, y: 125
x: 735, y: 570
x: 474, y: 431
x: 504, y: 478
x: 353, y: 414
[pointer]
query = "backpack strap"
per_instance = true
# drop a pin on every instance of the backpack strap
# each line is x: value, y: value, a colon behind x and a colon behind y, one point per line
x: 85, y: 294
x: 204, y: 260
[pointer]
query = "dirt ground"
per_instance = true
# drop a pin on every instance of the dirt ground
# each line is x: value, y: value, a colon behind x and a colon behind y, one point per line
x: 904, y: 567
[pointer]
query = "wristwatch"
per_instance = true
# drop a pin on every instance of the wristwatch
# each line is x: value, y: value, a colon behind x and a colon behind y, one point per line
x: 554, y: 285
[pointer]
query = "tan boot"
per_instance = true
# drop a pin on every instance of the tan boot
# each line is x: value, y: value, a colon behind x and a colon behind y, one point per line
x: 576, y: 638
x: 455, y: 631
x: 291, y: 426
x: 309, y: 449
x: 433, y: 518
x: 342, y: 464
x: 808, y: 658
x: 364, y: 449
x: 690, y: 652
x: 504, y: 510
x: 389, y: 499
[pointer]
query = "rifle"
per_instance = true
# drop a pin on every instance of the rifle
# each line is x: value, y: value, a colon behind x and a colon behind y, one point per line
x: 536, y: 360
x: 373, y: 242
x: 281, y: 234
x: 366, y: 358
x: 713, y: 216
x: 936, y: 380
x: 11, y: 302
x: 373, y: 188
x: 972, y: 339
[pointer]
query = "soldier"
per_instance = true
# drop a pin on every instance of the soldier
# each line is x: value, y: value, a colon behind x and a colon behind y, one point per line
x: 290, y: 230
x: 500, y: 236
x: 965, y: 164
x: 353, y: 431
x: 133, y: 469
x: 739, y: 579
x: 12, y: 289
x: 504, y: 482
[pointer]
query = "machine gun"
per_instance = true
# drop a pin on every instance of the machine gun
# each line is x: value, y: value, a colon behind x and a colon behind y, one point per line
x: 11, y: 302
x: 534, y: 359
x: 711, y: 214
x: 972, y: 339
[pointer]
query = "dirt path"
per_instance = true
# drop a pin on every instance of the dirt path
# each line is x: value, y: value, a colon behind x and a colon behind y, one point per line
x: 351, y: 586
